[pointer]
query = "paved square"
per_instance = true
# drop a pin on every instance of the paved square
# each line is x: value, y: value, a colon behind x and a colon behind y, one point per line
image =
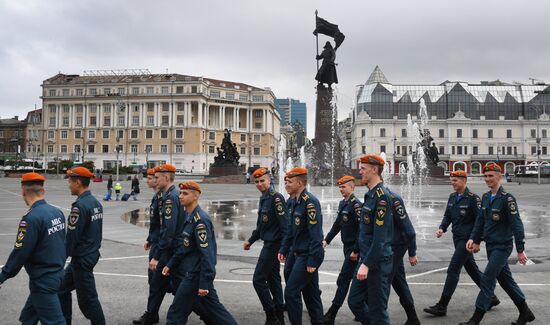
x: 122, y: 279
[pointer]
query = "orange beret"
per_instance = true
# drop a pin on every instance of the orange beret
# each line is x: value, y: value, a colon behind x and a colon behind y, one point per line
x: 156, y: 168
x: 151, y: 171
x: 32, y: 177
x: 492, y: 168
x: 190, y: 185
x: 345, y: 179
x: 167, y: 168
x: 296, y: 172
x: 372, y: 159
x: 459, y: 173
x: 80, y: 172
x: 260, y: 172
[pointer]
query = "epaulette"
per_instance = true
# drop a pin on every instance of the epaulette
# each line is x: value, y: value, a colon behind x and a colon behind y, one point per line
x: 305, y: 197
x: 471, y: 194
x: 197, y: 217
x: 353, y: 199
x: 272, y: 191
x: 379, y: 192
x: 504, y: 193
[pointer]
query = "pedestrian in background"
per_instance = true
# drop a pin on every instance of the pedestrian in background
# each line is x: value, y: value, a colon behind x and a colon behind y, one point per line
x: 118, y: 188
x: 135, y: 187
x: 110, y: 186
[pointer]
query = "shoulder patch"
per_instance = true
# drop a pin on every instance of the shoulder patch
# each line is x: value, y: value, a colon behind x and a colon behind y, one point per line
x: 202, y: 235
x: 168, y: 209
x: 279, y: 207
x: 396, y: 203
x: 380, y: 192
x: 512, y: 205
x: 73, y: 218
x: 380, y: 214
x: 382, y: 203
x: 312, y: 214
x: 277, y: 198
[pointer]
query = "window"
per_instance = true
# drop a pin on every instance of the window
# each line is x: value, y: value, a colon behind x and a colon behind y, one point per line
x: 93, y: 91
x: 383, y: 148
x: 78, y: 134
x: 76, y: 148
x: 134, y: 134
x: 243, y: 150
x: 106, y: 108
x: 179, y: 89
x: 491, y: 150
x: 79, y: 121
x: 121, y: 91
x: 165, y: 120
x: 403, y: 133
x: 363, y: 149
x: 475, y: 150
x: 164, y: 90
x: 441, y: 133
x: 106, y: 121
x: 533, y: 133
x: 179, y: 119
x: 165, y: 107
x: 135, y: 90
x: 93, y: 120
x: 243, y: 137
x: 149, y: 148
x: 211, y: 135
x: 466, y: 150
x: 509, y: 134
x: 194, y: 89
x: 150, y: 90
x: 363, y: 132
x: 398, y: 150
x: 148, y: 134
x: 210, y: 149
x: 50, y: 148
x: 105, y: 148
x: 64, y: 134
x: 63, y: 148
x: 135, y: 108
x: 214, y: 94
x: 533, y: 150
x: 150, y: 120
x: 459, y: 133
x: 93, y: 108
x: 134, y: 148
x: 51, y: 134
x: 105, y: 134
x: 52, y: 92
x: 544, y: 133
x: 91, y: 134
x: 257, y: 137
x: 65, y: 92
x: 382, y: 132
x: 150, y: 107
x: 181, y: 106
x: 474, y: 133
x: 509, y: 151
x: 66, y: 121
x: 230, y: 96
x: 256, y: 151
x: 135, y: 120
x: 52, y: 109
x: 257, y: 98
x: 120, y: 134
x: 179, y: 134
x: 179, y: 148
x: 490, y: 133
x: 106, y: 91
x: 544, y: 151
x: 441, y: 150
x: 121, y: 121
x: 164, y: 134
x: 163, y: 148
x: 453, y: 150
x: 243, y: 97
x: 91, y: 148
x: 515, y: 151
x: 52, y: 121
x: 459, y: 150
x: 120, y: 148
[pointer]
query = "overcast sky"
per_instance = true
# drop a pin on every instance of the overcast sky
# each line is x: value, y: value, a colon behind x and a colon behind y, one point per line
x: 270, y: 43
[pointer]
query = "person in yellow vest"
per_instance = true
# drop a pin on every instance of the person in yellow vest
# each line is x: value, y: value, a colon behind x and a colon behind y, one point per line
x: 118, y: 188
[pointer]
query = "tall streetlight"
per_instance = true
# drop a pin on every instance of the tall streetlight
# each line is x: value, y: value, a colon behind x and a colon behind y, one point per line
x: 117, y: 153
x: 539, y: 113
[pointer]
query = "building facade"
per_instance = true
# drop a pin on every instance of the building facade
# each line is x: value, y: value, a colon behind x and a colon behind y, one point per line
x: 471, y: 124
x: 140, y: 118
x: 33, y: 131
x: 292, y: 111
x: 12, y: 139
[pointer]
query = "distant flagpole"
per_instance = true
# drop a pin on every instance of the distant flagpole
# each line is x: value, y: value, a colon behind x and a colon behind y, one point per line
x: 317, y: 38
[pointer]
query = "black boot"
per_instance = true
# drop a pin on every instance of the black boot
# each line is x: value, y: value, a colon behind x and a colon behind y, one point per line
x: 437, y: 310
x: 476, y: 318
x: 525, y: 314
x: 149, y: 319
x: 146, y: 315
x: 412, y: 318
x: 280, y: 316
x: 271, y: 318
x: 330, y: 316
x: 494, y: 302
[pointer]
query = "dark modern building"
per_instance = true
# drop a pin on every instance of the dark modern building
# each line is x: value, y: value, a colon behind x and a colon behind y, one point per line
x: 291, y: 111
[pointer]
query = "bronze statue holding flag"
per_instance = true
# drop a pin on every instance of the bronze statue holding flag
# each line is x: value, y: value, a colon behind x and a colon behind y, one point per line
x: 327, y: 73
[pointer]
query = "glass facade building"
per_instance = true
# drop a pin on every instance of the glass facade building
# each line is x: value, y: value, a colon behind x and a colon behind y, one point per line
x: 291, y: 111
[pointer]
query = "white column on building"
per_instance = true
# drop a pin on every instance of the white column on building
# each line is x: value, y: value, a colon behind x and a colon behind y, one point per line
x: 157, y: 115
x: 199, y: 114
x: 222, y: 117
x: 265, y: 120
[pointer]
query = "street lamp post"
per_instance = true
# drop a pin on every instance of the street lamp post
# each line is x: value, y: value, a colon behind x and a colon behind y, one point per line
x: 539, y: 92
x: 394, y: 153
x: 117, y: 153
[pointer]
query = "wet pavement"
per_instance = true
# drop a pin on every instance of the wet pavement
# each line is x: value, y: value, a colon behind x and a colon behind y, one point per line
x: 122, y: 279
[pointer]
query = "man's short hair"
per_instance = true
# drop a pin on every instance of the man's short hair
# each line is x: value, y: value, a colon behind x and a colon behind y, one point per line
x: 32, y: 188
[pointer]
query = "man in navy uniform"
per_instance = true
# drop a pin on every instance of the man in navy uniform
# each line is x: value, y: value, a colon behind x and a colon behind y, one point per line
x: 404, y: 240
x: 40, y: 247
x: 371, y: 283
x: 347, y: 224
x: 195, y: 260
x: 171, y: 227
x: 499, y: 224
x: 271, y: 227
x: 462, y: 211
x: 151, y: 243
x: 84, y: 234
x: 302, y: 249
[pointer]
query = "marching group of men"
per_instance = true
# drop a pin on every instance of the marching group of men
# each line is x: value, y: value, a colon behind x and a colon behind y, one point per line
x: 376, y: 234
